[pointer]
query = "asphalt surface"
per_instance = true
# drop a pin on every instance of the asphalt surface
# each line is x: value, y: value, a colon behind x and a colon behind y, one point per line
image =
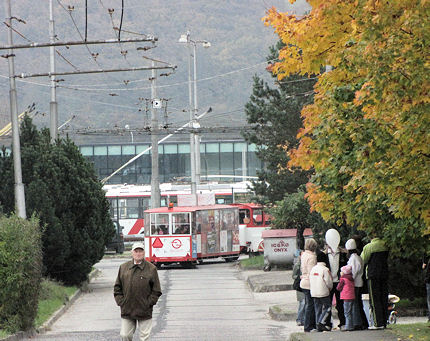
x: 214, y: 301
x: 211, y: 302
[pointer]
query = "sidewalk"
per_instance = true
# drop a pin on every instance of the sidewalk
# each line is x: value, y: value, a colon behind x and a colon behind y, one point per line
x: 363, y: 335
x: 280, y: 280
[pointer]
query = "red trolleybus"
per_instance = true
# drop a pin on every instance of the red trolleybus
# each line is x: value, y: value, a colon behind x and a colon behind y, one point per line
x: 191, y: 233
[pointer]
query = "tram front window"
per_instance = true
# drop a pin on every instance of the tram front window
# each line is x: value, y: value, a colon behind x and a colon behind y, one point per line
x: 159, y: 224
x: 181, y: 223
x: 244, y: 216
x: 257, y: 215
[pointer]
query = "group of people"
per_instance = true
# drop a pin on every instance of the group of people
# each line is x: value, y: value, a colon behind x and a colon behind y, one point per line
x: 354, y: 276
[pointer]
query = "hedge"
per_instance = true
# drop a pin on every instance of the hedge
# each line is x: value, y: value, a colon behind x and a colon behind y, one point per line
x: 20, y: 272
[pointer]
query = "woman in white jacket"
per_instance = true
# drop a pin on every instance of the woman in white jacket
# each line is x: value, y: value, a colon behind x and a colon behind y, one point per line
x: 357, y: 266
x: 321, y: 282
x: 307, y: 262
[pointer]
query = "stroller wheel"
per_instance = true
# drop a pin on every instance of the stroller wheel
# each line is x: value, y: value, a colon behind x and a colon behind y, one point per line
x: 392, y: 319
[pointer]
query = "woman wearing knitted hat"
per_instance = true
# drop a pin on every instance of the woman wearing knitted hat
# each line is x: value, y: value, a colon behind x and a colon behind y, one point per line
x: 346, y: 288
x: 357, y: 268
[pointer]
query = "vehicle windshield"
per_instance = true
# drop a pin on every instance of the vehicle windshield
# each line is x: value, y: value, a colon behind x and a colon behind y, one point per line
x: 181, y: 223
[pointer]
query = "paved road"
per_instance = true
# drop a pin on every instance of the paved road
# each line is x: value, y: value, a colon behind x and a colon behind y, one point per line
x: 210, y: 302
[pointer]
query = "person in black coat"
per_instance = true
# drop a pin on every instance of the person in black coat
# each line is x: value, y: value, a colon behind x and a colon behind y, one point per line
x: 426, y: 268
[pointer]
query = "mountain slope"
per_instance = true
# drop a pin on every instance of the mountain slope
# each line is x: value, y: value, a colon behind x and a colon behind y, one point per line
x: 103, y: 101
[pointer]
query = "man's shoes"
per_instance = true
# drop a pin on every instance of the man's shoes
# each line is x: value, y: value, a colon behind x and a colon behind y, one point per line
x: 299, y: 323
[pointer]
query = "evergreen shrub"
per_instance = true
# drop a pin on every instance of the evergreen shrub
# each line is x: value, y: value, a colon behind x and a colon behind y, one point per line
x: 63, y: 190
x: 20, y: 272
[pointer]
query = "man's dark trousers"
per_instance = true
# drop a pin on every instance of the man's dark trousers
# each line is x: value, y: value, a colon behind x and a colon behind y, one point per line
x: 339, y: 305
x: 378, y: 293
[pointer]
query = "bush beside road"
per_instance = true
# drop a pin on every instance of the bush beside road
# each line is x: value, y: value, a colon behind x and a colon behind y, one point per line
x: 54, y: 300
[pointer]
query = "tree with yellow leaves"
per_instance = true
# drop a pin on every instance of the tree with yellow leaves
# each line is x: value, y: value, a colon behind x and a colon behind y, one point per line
x: 367, y: 134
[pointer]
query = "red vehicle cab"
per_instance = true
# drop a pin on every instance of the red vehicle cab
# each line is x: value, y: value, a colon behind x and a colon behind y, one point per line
x: 252, y: 222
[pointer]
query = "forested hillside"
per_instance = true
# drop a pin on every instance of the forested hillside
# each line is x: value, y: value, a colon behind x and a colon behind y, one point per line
x: 239, y: 43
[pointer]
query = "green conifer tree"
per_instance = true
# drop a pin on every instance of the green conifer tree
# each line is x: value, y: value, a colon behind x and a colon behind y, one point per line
x: 274, y: 116
x: 61, y: 187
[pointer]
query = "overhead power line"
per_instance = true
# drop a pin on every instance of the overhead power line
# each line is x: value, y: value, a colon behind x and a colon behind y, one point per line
x: 23, y: 75
x: 162, y: 130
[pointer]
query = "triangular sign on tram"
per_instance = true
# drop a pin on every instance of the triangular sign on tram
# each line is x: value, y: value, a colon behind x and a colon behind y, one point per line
x: 157, y: 244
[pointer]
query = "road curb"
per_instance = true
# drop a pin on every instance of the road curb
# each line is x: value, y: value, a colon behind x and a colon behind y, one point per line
x: 55, y: 316
x: 264, y: 287
x: 280, y: 313
x: 299, y: 337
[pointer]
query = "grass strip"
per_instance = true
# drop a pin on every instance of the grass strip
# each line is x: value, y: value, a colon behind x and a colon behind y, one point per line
x: 411, y: 332
x: 52, y: 297
x: 252, y: 262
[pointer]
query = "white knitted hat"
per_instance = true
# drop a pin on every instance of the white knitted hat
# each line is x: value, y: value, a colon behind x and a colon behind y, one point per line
x: 350, y: 244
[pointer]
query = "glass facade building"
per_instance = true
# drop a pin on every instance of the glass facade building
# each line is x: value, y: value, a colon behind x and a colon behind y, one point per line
x: 236, y: 158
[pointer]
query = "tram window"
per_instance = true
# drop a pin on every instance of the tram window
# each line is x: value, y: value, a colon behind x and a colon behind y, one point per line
x: 113, y: 208
x: 159, y: 224
x: 145, y: 203
x: 163, y: 202
x: 267, y: 219
x: 129, y: 208
x: 181, y: 223
x: 133, y: 208
x: 244, y: 215
x: 257, y: 215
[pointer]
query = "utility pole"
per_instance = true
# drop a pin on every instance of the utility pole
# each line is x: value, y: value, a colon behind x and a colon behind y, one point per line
x: 194, y: 122
x: 244, y: 163
x: 197, y: 125
x: 155, y: 178
x: 16, y: 147
x: 190, y: 103
x: 53, y: 104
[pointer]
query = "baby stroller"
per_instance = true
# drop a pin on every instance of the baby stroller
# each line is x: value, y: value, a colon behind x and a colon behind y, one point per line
x: 392, y: 313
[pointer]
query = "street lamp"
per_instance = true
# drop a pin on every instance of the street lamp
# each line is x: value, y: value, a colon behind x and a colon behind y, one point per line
x: 194, y: 138
x: 127, y: 127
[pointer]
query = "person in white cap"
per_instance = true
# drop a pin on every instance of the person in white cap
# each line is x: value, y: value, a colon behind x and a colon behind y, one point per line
x: 357, y: 269
x: 136, y: 291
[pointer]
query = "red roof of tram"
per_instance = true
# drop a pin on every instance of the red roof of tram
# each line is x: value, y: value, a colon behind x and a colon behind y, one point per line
x: 177, y: 209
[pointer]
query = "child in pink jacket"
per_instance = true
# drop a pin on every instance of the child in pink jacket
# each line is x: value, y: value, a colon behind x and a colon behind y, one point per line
x: 346, y: 288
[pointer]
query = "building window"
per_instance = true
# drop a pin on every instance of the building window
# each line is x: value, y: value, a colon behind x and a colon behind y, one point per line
x: 87, y: 151
x: 100, y: 150
x: 128, y: 150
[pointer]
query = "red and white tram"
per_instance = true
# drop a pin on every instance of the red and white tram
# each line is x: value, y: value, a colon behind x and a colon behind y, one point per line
x: 191, y: 233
